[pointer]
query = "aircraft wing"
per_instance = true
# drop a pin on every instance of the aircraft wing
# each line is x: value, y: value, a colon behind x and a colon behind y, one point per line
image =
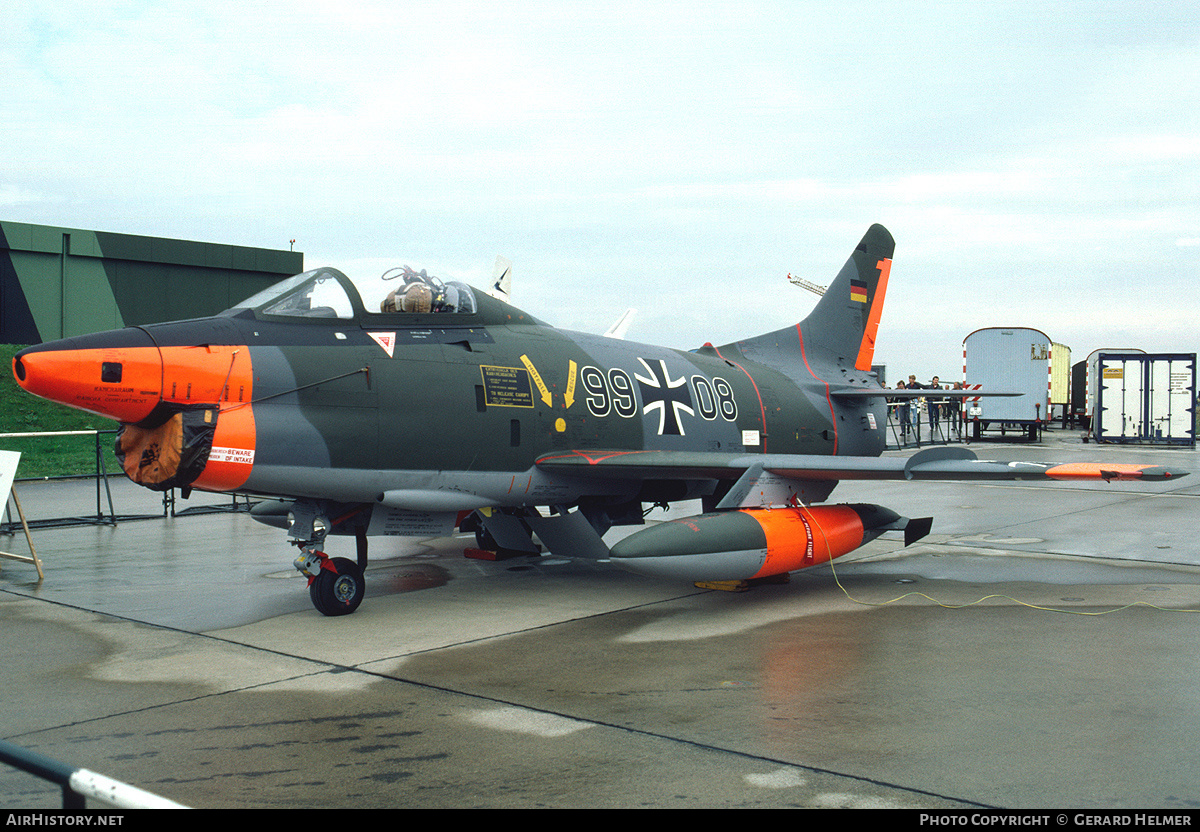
x: 940, y: 463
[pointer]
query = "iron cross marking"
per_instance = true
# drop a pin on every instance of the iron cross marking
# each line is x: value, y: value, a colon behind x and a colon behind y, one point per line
x: 669, y: 397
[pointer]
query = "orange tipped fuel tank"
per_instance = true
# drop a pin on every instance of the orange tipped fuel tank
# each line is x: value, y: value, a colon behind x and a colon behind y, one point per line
x: 751, y: 543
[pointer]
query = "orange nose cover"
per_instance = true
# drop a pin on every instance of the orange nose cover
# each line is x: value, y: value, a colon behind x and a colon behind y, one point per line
x: 122, y: 383
x: 128, y: 383
x: 801, y: 537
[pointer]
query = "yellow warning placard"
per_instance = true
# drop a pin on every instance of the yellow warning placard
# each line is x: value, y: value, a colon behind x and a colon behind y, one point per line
x: 569, y: 396
x: 506, y: 386
x: 537, y: 379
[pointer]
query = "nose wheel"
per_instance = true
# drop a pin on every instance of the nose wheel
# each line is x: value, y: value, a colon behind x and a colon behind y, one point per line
x: 335, y: 585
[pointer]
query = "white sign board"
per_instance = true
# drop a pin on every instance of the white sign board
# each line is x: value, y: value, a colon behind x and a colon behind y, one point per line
x: 8, y: 470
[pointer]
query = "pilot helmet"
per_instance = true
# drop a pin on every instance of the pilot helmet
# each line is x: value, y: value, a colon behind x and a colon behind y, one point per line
x: 418, y: 297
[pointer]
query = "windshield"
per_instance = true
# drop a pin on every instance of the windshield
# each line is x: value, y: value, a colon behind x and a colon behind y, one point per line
x: 325, y: 293
x: 315, y: 294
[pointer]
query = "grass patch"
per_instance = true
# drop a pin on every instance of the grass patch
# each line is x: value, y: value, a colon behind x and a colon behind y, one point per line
x: 50, y: 456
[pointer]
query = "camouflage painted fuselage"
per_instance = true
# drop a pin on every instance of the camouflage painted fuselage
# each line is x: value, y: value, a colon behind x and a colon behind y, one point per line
x: 466, y: 404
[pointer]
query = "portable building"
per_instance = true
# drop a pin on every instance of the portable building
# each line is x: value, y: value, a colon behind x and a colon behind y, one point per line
x: 1079, y: 387
x: 1060, y: 380
x: 1011, y: 360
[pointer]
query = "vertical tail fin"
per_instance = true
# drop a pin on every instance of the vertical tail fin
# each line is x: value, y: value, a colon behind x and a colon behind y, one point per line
x: 840, y: 331
x: 846, y: 319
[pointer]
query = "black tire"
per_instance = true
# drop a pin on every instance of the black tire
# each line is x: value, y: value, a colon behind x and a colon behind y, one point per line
x: 338, y: 594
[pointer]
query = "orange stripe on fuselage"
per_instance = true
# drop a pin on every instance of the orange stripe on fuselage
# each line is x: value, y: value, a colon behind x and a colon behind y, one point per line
x: 828, y: 399
x: 762, y: 410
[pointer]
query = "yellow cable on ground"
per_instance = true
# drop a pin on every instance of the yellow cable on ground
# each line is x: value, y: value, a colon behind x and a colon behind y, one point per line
x: 850, y: 597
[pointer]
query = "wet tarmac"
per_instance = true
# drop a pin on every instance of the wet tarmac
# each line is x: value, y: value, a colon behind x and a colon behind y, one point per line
x: 1039, y: 649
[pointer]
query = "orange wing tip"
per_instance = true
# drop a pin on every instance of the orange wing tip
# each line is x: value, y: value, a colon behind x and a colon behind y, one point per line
x: 1119, y: 471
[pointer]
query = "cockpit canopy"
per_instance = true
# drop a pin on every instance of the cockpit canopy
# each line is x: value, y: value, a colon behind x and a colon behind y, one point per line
x: 327, y: 293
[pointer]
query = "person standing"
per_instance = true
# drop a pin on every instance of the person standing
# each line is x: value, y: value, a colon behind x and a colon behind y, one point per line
x: 935, y: 407
x: 954, y: 411
x: 904, y: 412
x: 915, y: 409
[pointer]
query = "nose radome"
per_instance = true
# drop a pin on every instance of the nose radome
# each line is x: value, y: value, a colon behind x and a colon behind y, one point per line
x: 116, y: 374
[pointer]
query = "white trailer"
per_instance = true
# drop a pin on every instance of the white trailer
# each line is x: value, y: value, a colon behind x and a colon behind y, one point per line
x: 1011, y: 360
x: 1147, y: 398
x: 1060, y: 380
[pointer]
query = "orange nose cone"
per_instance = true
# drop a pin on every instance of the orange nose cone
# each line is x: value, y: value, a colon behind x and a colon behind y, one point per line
x: 115, y: 374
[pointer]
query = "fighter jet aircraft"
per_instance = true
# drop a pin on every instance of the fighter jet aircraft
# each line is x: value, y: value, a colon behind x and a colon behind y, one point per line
x: 415, y: 405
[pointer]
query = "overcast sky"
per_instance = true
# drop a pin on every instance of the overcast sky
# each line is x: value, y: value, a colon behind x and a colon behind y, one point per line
x: 1038, y: 163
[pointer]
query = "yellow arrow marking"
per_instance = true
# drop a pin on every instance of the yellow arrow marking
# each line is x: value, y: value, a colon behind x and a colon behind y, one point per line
x: 569, y: 396
x: 537, y: 379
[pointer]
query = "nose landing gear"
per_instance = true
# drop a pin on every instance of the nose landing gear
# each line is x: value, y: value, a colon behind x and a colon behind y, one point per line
x: 335, y: 585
